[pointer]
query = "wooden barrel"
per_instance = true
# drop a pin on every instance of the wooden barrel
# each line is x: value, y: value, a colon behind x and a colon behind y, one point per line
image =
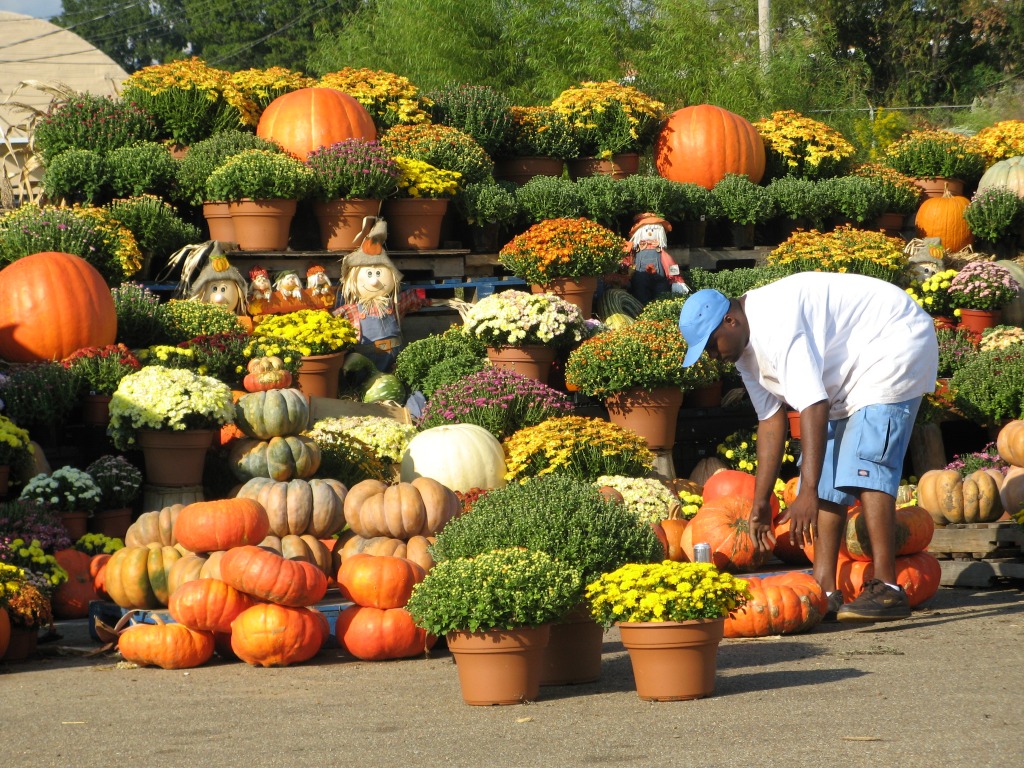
x: 156, y: 497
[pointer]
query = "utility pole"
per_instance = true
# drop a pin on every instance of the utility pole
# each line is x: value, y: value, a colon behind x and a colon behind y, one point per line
x: 764, y: 13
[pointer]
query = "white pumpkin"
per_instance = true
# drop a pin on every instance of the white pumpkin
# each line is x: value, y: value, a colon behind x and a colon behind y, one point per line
x: 459, y: 456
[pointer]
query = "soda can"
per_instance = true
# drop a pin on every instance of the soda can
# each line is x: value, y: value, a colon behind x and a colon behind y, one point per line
x: 702, y: 553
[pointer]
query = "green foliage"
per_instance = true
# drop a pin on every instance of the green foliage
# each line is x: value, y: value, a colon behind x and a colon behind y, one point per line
x: 157, y: 228
x: 742, y: 201
x: 566, y: 518
x: 259, y: 174
x: 185, y: 115
x: 415, y: 363
x: 442, y: 147
x: 478, y: 111
x: 491, y: 202
x: 39, y: 395
x: 541, y: 132
x: 91, y: 122
x: 859, y: 198
x: 451, y: 370
x: 205, y: 156
x: 645, y: 193
x: 995, y: 214
x: 955, y: 348
x: 735, y: 282
x: 935, y: 154
x: 184, y: 320
x: 699, y: 204
x: 140, y: 169
x: 139, y: 315
x: 987, y: 388
x: 603, y: 199
x: 77, y: 176
x: 797, y: 198
x: 549, y: 197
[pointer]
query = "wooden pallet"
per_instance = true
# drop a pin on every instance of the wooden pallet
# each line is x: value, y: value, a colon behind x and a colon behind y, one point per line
x: 442, y: 263
x: 978, y: 554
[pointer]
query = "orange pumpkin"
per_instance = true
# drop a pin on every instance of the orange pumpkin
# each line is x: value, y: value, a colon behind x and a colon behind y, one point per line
x: 309, y: 118
x: 269, y: 576
x: 208, y: 604
x: 169, y: 646
x: 379, y: 581
x: 271, y: 635
x: 914, y: 529
x: 724, y: 524
x: 703, y: 143
x: 784, y: 549
x: 375, y: 634
x: 209, y: 526
x: 673, y: 527
x: 943, y: 217
x: 734, y: 482
x: 918, y: 574
x: 790, y: 491
x: 137, y: 577
x: 98, y: 573
x: 53, y: 304
x: 414, y: 549
x: 1010, y: 443
x: 71, y: 599
x: 779, y: 605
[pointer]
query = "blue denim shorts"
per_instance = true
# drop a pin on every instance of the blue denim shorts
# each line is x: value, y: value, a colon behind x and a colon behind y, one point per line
x: 866, y: 451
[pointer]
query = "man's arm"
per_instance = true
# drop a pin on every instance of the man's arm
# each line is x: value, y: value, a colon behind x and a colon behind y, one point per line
x: 771, y: 442
x: 803, y: 512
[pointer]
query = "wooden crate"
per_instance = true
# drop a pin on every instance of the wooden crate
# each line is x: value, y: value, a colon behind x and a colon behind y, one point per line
x: 977, y: 554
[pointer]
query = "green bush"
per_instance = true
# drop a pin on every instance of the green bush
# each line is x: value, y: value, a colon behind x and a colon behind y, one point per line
x: 797, y: 198
x: 184, y: 320
x: 549, y: 197
x: 603, y: 199
x: 735, y: 282
x: 91, y: 122
x: 478, y: 111
x: 859, y: 198
x: 39, y: 395
x: 699, y: 204
x: 742, y: 201
x: 655, y: 194
x: 204, y: 157
x: 488, y: 202
x: 260, y: 174
x: 139, y: 315
x: 995, y: 214
x: 955, y: 349
x: 987, y: 388
x: 142, y: 168
x: 158, y: 229
x: 76, y: 176
x: 414, y: 363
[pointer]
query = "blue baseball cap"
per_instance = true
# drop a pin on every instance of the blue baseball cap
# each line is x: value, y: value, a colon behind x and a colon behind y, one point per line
x: 702, y: 313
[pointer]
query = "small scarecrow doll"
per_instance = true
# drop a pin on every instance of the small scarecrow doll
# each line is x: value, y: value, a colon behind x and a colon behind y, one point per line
x: 260, y: 291
x: 222, y: 284
x: 655, y: 272
x: 369, y: 299
x: 319, y: 291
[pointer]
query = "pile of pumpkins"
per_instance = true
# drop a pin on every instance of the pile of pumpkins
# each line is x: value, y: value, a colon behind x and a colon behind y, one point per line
x: 984, y: 496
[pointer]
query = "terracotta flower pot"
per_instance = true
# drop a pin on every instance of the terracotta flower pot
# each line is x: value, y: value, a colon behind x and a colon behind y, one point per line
x: 262, y: 225
x: 573, y: 653
x: 219, y: 222
x: 499, y: 666
x: 618, y: 166
x: 76, y: 524
x: 111, y: 522
x: 96, y: 410
x: 22, y: 645
x: 414, y: 224
x: 341, y: 221
x: 652, y: 414
x: 673, y: 661
x: 977, y: 320
x: 575, y: 290
x: 520, y: 170
x: 175, y: 458
x: 794, y: 424
x: 318, y: 374
x: 937, y: 186
x: 533, y: 360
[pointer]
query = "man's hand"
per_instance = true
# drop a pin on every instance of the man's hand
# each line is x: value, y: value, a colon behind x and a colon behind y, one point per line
x: 803, y: 517
x: 761, y: 527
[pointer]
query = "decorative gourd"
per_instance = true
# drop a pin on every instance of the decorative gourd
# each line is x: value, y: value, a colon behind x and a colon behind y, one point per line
x: 952, y: 499
x: 703, y: 143
x: 914, y: 529
x: 307, y: 548
x: 273, y: 413
x: 268, y: 576
x: 209, y: 526
x: 266, y: 373
x: 943, y: 217
x: 192, y: 567
x: 279, y: 458
x: 1007, y: 173
x: 379, y: 582
x: 1010, y: 443
x: 724, y: 524
x: 415, y: 549
x: 208, y: 604
x: 154, y: 528
x: 401, y: 511
x: 706, y: 468
x: 458, y: 456
x: 270, y: 635
x: 919, y: 574
x: 169, y: 646
x: 137, y: 577
x: 376, y: 634
x: 780, y: 605
x: 71, y: 598
x: 300, y: 507
x: 53, y: 304
x: 734, y: 482
x: 309, y: 118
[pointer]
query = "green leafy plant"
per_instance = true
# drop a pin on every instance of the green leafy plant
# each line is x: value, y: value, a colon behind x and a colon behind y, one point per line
x: 117, y: 478
x: 258, y: 174
x: 733, y: 282
x: 541, y: 132
x: 699, y: 204
x: 565, y: 518
x: 77, y: 176
x: 414, y: 364
x: 156, y: 226
x: 39, y: 395
x: 489, y: 202
x: 96, y: 123
x: 797, y: 198
x: 995, y: 214
x: 141, y: 168
x: 478, y: 111
x: 742, y: 201
x: 353, y: 169
x: 603, y: 199
x: 184, y: 320
x: 956, y: 347
x: 935, y: 154
x: 205, y: 156
x: 902, y: 195
x: 502, y: 589
x: 549, y: 197
x: 442, y: 147
x: 859, y: 198
x: 644, y: 193
x: 986, y: 388
x: 139, y: 315
x: 100, y: 369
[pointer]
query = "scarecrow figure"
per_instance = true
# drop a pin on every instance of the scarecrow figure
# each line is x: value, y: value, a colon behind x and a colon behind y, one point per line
x: 369, y: 298
x: 319, y: 291
x: 221, y: 284
x: 260, y: 290
x: 655, y: 272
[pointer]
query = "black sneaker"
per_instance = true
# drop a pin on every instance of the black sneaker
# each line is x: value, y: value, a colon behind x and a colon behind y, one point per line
x: 835, y: 602
x: 878, y: 602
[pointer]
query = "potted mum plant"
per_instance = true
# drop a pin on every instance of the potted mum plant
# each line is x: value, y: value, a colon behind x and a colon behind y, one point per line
x: 264, y: 187
x: 14, y: 450
x: 844, y: 249
x: 570, y: 520
x: 799, y: 146
x: 936, y: 160
x: 28, y: 609
x: 857, y: 200
x: 119, y: 482
x: 320, y: 337
x: 745, y: 204
x: 523, y: 331
x: 541, y: 143
x: 71, y: 492
x: 638, y: 372
x: 100, y: 370
x: 671, y: 617
x: 901, y: 195
x: 549, y: 197
x: 979, y: 291
x: 350, y: 179
x: 415, y: 213
x: 502, y: 599
x: 996, y: 218
x: 564, y: 257
x: 489, y: 208
x: 932, y: 294
x: 171, y: 414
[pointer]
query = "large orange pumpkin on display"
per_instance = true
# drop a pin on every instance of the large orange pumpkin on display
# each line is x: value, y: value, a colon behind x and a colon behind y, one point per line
x: 919, y: 574
x: 309, y: 118
x: 1010, y: 443
x: 169, y: 646
x: 943, y: 217
x: 98, y: 573
x: 734, y: 482
x: 211, y: 526
x: 779, y: 605
x: 376, y: 634
x: 71, y: 599
x: 914, y: 529
x: 138, y: 577
x: 53, y: 304
x: 208, y: 604
x: 270, y: 635
x: 379, y: 581
x: 724, y: 524
x: 268, y: 576
x: 950, y: 498
x: 702, y: 144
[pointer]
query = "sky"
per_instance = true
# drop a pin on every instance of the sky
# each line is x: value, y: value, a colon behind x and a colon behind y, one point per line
x: 42, y: 9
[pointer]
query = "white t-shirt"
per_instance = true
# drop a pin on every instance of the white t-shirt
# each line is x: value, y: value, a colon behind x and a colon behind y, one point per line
x: 848, y: 339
